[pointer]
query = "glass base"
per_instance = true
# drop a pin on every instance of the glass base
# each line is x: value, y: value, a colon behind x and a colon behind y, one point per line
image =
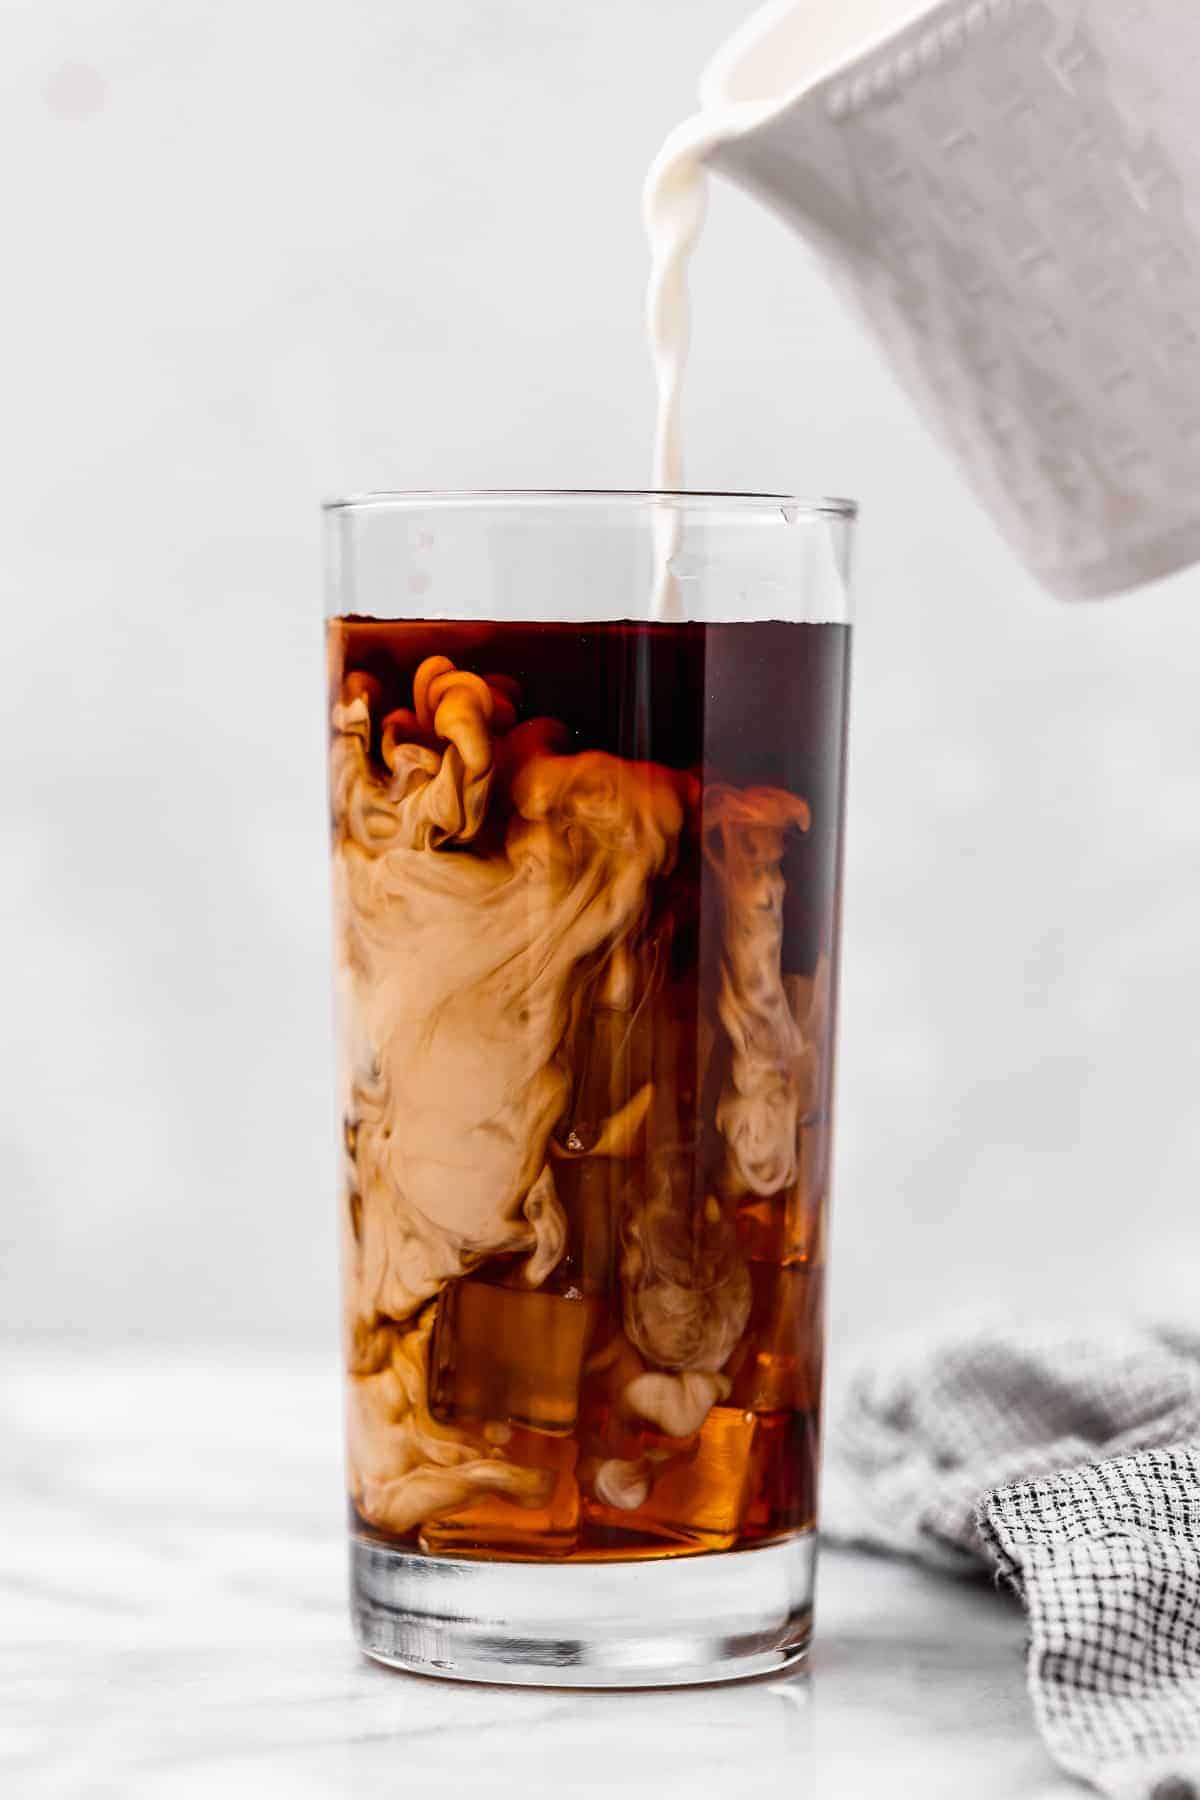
x: 667, y: 1622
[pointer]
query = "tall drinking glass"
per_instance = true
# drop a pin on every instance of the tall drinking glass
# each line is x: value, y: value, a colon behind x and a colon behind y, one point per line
x: 586, y: 828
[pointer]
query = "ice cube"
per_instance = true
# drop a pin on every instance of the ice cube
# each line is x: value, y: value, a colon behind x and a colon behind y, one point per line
x: 509, y: 1353
x: 777, y: 1365
x: 545, y: 1525
x: 700, y: 1492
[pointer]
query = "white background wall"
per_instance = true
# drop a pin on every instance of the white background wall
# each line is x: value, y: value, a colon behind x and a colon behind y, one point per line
x: 258, y: 253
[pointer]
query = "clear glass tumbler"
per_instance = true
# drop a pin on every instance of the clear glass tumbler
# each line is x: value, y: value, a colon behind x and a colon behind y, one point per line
x: 586, y: 770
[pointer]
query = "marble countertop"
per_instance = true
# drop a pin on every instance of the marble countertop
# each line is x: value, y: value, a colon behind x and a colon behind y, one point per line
x: 174, y: 1626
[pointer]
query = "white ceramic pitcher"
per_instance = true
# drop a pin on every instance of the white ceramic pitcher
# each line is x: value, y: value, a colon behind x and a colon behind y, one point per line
x: 1010, y: 192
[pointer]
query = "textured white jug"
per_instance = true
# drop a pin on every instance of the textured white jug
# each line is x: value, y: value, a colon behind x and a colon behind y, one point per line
x: 1009, y: 193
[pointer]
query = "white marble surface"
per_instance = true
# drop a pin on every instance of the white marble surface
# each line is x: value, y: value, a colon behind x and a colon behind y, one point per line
x: 174, y: 1626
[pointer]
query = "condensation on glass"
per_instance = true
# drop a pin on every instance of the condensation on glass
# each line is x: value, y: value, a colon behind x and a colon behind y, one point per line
x: 586, y: 882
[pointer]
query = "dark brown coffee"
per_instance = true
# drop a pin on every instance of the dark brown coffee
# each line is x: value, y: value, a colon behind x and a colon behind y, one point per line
x: 586, y: 890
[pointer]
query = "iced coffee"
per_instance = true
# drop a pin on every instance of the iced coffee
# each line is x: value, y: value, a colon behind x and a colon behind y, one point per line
x: 585, y: 886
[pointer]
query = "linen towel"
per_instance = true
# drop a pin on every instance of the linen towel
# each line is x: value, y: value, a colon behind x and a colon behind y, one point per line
x: 1067, y: 1459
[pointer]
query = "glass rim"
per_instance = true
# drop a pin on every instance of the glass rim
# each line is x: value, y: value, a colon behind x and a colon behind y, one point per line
x: 715, y: 499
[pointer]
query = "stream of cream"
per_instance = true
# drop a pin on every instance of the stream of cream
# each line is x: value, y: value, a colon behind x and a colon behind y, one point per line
x: 762, y: 69
x: 674, y: 201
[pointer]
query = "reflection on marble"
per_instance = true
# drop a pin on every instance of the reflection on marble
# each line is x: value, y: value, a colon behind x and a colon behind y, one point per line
x: 174, y: 1626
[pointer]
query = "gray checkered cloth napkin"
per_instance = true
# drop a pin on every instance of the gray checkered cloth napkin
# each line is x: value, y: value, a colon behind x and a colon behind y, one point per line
x: 1067, y: 1459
